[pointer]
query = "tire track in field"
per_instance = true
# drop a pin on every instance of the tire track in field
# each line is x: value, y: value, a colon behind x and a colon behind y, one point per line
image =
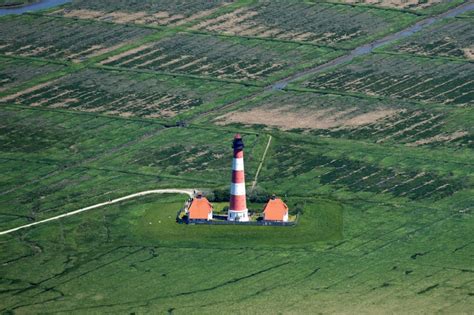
x: 254, y: 183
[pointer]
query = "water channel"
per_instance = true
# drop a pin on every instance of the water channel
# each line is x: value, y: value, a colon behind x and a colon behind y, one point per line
x: 40, y: 5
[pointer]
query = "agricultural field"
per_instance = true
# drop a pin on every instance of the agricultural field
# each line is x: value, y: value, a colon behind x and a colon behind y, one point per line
x: 318, y: 23
x: 334, y: 169
x: 385, y: 249
x: 223, y: 58
x: 401, y: 77
x: 101, y: 100
x: 52, y: 38
x: 423, y: 6
x: 15, y: 72
x: 450, y: 38
x: 379, y: 121
x: 127, y: 94
x: 151, y: 13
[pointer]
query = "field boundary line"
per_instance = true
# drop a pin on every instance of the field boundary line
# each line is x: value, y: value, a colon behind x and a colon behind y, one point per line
x: 189, y: 192
x: 254, y: 183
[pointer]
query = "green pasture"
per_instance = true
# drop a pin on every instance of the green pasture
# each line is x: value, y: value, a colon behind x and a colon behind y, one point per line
x: 386, y: 207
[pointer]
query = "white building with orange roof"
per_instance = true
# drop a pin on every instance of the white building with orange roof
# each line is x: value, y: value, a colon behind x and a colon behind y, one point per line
x: 275, y: 210
x: 200, y: 209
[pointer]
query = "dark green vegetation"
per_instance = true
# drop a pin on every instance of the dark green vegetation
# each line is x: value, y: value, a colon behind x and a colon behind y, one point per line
x: 225, y: 58
x: 14, y: 72
x: 450, y: 38
x: 377, y: 154
x: 401, y: 77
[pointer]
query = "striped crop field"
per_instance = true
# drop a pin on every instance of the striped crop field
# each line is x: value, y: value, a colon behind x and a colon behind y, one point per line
x: 223, y: 58
x: 418, y: 6
x: 332, y: 25
x: 154, y: 13
x: 449, y: 38
x: 333, y: 172
x: 115, y: 93
x: 401, y: 77
x: 51, y: 38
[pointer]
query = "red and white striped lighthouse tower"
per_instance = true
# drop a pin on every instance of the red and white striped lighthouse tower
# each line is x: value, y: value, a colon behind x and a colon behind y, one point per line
x: 238, y: 205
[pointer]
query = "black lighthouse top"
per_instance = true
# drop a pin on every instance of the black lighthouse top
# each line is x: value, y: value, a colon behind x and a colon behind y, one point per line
x: 238, y: 143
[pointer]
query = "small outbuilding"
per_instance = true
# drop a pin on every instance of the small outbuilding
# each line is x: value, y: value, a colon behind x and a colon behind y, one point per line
x: 275, y: 210
x: 200, y: 209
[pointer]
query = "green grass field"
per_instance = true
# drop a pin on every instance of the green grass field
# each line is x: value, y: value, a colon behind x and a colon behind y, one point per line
x: 377, y: 153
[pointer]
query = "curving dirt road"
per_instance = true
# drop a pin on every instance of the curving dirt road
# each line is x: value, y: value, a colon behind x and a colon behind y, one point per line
x: 189, y: 192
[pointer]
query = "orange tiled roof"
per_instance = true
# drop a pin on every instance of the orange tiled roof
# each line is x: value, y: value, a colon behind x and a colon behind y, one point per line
x: 200, y: 208
x: 275, y: 210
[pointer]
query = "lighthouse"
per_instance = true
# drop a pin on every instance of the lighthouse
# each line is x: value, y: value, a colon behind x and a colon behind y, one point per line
x: 238, y: 205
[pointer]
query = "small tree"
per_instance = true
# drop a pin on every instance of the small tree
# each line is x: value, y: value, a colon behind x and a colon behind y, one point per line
x: 258, y: 195
x: 219, y: 195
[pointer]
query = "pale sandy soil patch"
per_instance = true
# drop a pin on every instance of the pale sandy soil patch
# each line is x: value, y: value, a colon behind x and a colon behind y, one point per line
x: 469, y: 52
x: 398, y: 4
x: 192, y: 63
x: 124, y: 17
x: 253, y: 30
x: 24, y: 48
x: 196, y: 16
x: 105, y: 50
x: 26, y: 91
x: 35, y: 51
x: 233, y: 24
x: 225, y: 17
x: 84, y: 52
x: 80, y: 13
x: 370, y: 117
x: 440, y: 138
x: 116, y: 113
x: 162, y: 113
x: 171, y: 19
x: 146, y: 63
x: 288, y: 117
x: 125, y: 54
x: 64, y: 103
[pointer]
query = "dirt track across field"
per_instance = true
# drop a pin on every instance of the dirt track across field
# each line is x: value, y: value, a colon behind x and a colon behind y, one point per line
x: 189, y: 192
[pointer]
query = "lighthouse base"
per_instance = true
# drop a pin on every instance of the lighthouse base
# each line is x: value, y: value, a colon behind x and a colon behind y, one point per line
x: 241, y: 216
